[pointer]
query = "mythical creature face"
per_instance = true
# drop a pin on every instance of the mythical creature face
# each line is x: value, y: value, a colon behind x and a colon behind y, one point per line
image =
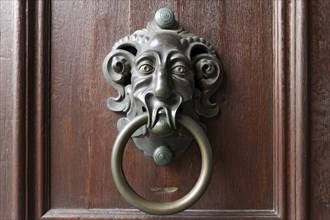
x: 162, y: 72
x: 162, y: 80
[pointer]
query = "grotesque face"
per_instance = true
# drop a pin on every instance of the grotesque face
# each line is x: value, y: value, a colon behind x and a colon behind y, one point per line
x: 162, y: 73
x: 162, y: 79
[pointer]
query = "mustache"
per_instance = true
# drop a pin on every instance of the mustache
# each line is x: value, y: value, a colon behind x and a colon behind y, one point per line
x: 156, y: 107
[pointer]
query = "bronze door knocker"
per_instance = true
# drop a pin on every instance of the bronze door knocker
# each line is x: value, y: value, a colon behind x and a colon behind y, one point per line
x: 164, y: 77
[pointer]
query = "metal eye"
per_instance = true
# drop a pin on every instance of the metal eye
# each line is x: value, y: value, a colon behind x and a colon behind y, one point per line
x: 146, y: 69
x: 180, y: 70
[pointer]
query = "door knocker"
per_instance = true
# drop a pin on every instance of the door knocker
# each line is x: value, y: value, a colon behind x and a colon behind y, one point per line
x: 164, y: 77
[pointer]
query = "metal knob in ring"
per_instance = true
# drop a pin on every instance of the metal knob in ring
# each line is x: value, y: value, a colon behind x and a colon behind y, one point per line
x: 158, y: 208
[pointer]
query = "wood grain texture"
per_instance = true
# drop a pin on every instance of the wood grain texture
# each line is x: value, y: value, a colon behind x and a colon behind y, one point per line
x: 297, y: 109
x: 75, y: 214
x: 12, y: 110
x: 6, y: 109
x: 279, y: 107
x: 82, y: 128
x: 320, y: 110
x: 259, y: 143
x: 38, y: 41
x: 241, y: 139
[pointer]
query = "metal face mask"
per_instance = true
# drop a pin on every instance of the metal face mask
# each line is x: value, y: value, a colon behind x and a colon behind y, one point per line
x: 162, y: 70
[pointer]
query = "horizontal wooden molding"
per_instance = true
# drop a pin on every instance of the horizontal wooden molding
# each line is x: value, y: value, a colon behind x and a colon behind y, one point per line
x: 136, y: 214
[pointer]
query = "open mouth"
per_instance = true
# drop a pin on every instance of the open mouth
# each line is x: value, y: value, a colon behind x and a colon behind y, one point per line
x: 161, y: 114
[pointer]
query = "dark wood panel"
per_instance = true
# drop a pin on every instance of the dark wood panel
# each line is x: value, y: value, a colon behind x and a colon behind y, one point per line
x: 242, y: 55
x: 242, y: 137
x: 82, y: 128
x: 12, y: 109
x: 320, y: 110
x: 258, y: 142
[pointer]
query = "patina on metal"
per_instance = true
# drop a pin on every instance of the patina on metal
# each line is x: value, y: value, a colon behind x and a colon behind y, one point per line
x: 162, y: 156
x: 163, y: 70
x: 157, y: 208
x: 165, y: 77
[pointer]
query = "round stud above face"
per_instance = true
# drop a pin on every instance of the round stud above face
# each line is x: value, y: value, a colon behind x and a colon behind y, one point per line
x: 165, y: 78
x: 162, y: 70
x: 164, y: 18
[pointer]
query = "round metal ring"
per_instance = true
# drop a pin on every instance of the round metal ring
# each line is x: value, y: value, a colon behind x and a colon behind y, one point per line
x: 157, y: 208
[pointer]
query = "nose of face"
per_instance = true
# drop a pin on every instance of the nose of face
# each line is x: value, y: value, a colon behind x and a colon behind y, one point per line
x: 162, y: 88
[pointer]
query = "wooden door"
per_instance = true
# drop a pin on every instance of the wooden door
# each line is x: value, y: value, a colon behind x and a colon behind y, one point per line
x: 270, y: 144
